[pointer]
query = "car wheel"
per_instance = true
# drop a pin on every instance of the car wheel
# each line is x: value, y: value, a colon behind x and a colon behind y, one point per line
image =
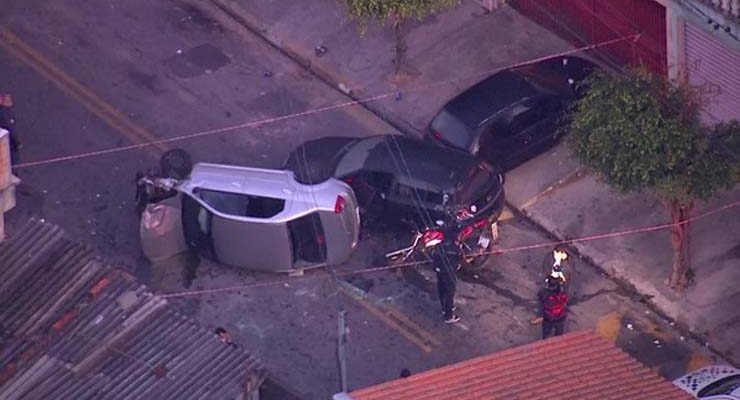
x: 176, y: 163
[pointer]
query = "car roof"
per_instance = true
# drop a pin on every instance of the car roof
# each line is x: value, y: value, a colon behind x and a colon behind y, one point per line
x: 421, y: 160
x: 553, y: 73
x: 278, y: 184
x: 243, y: 180
x: 504, y: 88
x: 695, y: 381
x: 427, y: 162
x: 490, y: 96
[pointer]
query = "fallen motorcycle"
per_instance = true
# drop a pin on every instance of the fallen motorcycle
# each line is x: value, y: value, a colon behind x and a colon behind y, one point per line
x: 474, y: 238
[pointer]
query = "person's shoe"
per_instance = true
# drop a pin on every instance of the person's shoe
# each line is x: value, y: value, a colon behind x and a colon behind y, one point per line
x: 452, y: 319
x: 453, y: 310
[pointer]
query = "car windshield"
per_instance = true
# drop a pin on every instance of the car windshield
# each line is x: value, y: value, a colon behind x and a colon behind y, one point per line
x: 448, y: 128
x: 470, y: 189
x: 242, y: 205
x: 723, y: 386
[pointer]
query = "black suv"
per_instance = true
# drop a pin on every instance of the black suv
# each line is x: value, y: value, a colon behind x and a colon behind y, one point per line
x: 399, y: 178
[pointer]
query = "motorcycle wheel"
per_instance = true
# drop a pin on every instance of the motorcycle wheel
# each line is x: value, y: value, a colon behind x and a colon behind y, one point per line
x: 481, y: 242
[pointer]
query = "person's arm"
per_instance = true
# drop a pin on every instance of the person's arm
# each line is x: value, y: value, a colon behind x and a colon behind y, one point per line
x: 541, y: 312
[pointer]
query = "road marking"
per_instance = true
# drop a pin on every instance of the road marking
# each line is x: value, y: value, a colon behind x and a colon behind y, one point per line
x: 115, y: 119
x: 394, y: 319
x: 570, y: 178
x: 609, y: 325
x: 506, y: 215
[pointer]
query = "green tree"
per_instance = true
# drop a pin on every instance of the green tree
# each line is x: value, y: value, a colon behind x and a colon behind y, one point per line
x: 637, y: 131
x: 397, y: 12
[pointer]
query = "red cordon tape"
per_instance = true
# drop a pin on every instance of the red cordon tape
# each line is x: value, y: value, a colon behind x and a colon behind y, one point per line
x: 257, y: 123
x: 499, y: 251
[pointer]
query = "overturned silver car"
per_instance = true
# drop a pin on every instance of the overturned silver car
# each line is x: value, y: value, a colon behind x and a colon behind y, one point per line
x: 253, y: 218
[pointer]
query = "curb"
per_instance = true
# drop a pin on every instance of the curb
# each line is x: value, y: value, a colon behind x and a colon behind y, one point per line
x: 331, y: 78
x: 623, y: 283
x: 334, y: 80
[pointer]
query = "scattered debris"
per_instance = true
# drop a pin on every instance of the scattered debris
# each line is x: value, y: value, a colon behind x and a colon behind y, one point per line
x: 319, y: 50
x: 672, y: 323
x: 630, y: 327
x: 657, y: 342
x: 682, y: 338
x: 344, y: 88
x: 179, y: 51
x: 476, y: 276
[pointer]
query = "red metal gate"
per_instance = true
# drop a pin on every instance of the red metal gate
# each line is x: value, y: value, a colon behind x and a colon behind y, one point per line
x: 640, y: 23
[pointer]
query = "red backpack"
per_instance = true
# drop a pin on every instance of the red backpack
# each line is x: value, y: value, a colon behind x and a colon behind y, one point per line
x: 554, y: 306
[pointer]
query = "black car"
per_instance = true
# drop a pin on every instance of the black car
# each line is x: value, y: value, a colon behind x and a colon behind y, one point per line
x: 513, y: 115
x: 401, y: 178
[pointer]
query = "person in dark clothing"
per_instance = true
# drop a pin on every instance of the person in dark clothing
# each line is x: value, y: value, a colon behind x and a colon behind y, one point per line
x: 553, y: 307
x: 7, y: 120
x: 561, y: 263
x: 445, y: 258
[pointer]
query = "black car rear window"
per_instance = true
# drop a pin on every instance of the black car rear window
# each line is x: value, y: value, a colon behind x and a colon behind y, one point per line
x: 452, y: 130
x: 242, y: 205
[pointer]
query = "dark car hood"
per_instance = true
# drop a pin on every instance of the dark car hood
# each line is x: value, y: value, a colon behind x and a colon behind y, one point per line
x: 435, y: 165
x: 553, y: 74
x: 489, y: 96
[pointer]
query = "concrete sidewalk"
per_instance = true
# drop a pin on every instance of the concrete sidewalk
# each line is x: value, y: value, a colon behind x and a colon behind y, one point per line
x: 449, y: 52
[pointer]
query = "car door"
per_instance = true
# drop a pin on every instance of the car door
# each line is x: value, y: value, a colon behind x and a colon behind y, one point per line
x: 498, y: 144
x: 532, y: 128
x: 542, y: 133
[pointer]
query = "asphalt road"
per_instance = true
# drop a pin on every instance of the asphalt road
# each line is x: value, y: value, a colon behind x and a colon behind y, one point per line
x: 106, y: 87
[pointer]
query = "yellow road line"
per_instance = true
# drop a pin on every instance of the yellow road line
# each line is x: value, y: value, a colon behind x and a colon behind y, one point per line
x: 115, y: 119
x: 506, y: 215
x: 570, y: 178
x: 394, y: 319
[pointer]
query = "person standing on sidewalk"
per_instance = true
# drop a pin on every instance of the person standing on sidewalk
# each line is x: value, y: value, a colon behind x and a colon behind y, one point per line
x: 445, y: 258
x: 7, y: 121
x: 553, y: 307
x: 559, y: 263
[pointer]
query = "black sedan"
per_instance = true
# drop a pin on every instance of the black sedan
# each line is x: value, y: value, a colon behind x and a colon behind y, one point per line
x: 400, y: 178
x: 513, y: 115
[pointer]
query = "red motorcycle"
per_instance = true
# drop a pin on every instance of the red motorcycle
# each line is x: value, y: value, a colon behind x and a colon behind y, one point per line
x: 473, y: 236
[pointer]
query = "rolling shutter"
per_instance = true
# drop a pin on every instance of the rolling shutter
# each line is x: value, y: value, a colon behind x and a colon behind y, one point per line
x: 715, y: 66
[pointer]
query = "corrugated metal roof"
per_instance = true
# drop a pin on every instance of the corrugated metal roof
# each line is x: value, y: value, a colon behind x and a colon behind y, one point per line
x: 72, y: 327
x: 579, y: 365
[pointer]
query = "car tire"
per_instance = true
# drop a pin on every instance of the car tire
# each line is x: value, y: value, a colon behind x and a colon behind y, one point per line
x: 176, y: 164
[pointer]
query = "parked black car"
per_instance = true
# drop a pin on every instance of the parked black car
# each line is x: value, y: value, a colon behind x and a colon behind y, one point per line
x: 401, y: 178
x: 513, y: 115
